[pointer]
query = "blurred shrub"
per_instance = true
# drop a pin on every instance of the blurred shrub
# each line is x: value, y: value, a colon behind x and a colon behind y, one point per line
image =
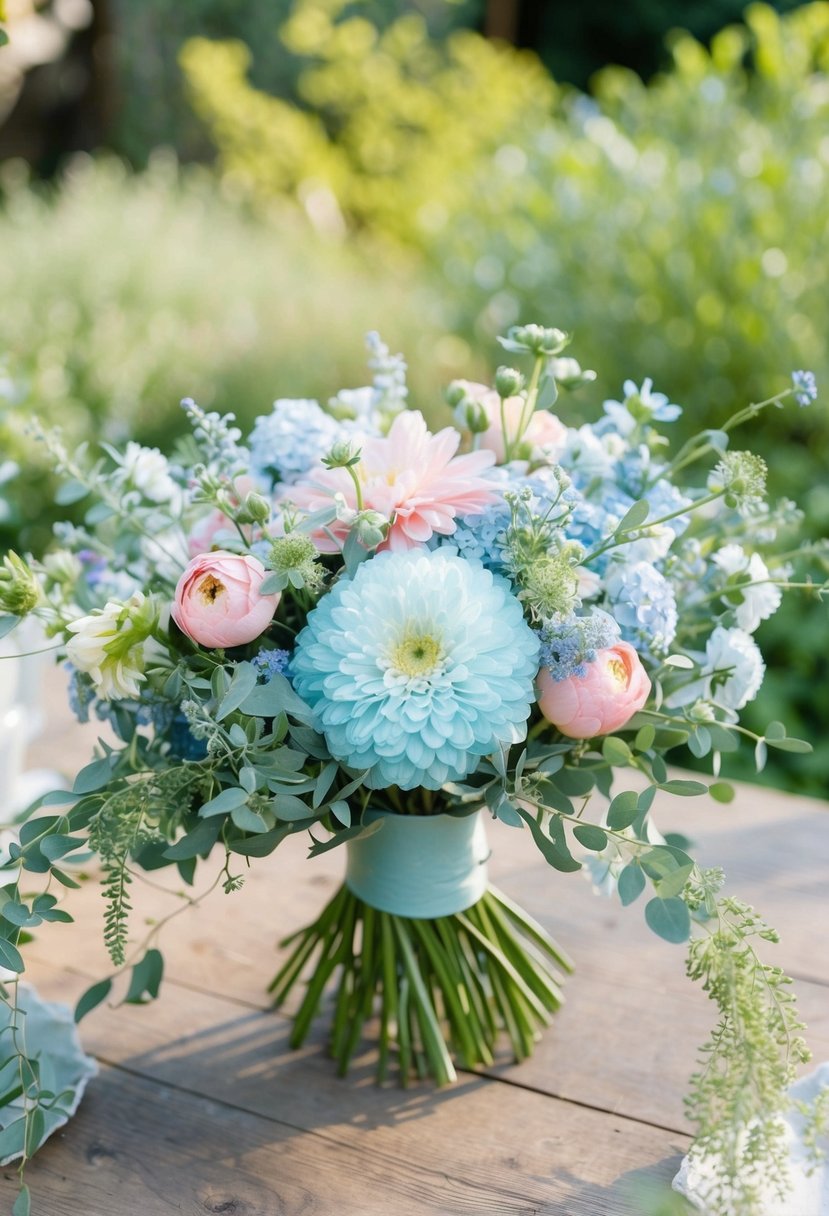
x: 147, y: 37
x: 393, y: 125
x: 122, y: 294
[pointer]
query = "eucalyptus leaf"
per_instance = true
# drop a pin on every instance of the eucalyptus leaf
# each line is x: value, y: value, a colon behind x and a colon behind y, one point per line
x: 241, y: 686
x: 631, y: 884
x: 623, y: 810
x: 590, y: 836
x: 224, y: 802
x: 669, y: 919
x: 145, y: 980
x: 93, y: 997
x: 634, y: 517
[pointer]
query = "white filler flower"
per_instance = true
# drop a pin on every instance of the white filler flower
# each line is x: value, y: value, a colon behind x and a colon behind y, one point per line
x: 109, y: 646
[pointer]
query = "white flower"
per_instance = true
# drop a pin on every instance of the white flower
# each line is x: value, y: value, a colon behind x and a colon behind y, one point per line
x: 761, y: 599
x: 149, y: 472
x: 109, y: 646
x: 734, y: 667
x: 593, y: 455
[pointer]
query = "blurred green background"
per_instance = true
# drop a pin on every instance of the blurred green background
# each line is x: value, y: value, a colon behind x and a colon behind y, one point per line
x: 219, y: 198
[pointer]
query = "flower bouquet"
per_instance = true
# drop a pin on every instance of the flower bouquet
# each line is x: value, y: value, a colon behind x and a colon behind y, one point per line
x: 383, y: 636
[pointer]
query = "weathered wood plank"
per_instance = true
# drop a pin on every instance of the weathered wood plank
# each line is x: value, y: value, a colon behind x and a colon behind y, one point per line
x: 227, y: 1135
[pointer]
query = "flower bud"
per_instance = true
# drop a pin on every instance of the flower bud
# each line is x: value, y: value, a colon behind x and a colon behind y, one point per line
x: 471, y: 415
x: 19, y: 588
x: 342, y: 455
x: 255, y: 509
x: 508, y: 382
x: 371, y: 528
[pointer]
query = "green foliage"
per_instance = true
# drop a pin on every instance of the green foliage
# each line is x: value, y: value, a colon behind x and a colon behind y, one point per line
x: 132, y: 292
x: 749, y: 1062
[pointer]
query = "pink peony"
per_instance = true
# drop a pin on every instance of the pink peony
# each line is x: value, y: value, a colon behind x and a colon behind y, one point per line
x: 217, y: 601
x: 545, y: 434
x: 411, y: 477
x: 615, y: 687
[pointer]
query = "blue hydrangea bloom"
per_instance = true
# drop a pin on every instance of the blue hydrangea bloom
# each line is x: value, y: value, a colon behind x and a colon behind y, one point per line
x: 417, y: 667
x: 291, y: 439
x: 642, y: 601
x: 183, y: 743
x: 270, y: 663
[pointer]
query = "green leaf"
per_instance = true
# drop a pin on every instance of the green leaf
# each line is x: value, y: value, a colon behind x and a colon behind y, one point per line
x: 23, y: 1203
x: 800, y: 746
x: 722, y: 740
x: 358, y: 829
x: 18, y: 914
x: 699, y: 742
x: 323, y: 784
x: 659, y: 769
x: 631, y: 883
x: 93, y: 997
x: 342, y: 811
x: 590, y: 836
x: 69, y: 492
x: 635, y: 516
x: 645, y: 737
x: 547, y: 394
x: 11, y: 957
x: 64, y: 879
x: 574, y: 782
x: 241, y: 686
x: 276, y: 697
x: 722, y: 791
x: 559, y: 858
x: 199, y: 841
x: 247, y: 820
x: 288, y: 807
x: 623, y: 810
x: 669, y: 919
x: 228, y: 800
x: 775, y: 730
x: 616, y: 752
x: 674, y: 883
x: 507, y: 814
x: 55, y: 847
x: 146, y: 979
x: 684, y: 789
x: 35, y: 1131
x: 261, y: 846
x: 93, y: 777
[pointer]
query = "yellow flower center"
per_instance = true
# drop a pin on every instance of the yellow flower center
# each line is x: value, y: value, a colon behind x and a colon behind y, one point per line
x: 210, y: 589
x: 416, y: 654
x: 618, y: 670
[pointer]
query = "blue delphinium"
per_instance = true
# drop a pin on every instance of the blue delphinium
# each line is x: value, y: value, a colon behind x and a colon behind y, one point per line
x: 568, y: 645
x: 417, y: 667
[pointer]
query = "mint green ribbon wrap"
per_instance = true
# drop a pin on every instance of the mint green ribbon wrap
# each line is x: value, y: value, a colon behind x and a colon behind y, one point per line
x: 419, y: 866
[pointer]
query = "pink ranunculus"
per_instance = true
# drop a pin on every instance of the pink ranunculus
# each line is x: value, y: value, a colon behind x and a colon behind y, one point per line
x: 411, y: 477
x: 545, y: 434
x: 615, y: 686
x: 218, y: 602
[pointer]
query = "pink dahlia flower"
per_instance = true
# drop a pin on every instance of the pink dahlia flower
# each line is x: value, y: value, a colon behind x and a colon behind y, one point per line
x: 615, y: 687
x: 411, y: 477
x: 218, y: 602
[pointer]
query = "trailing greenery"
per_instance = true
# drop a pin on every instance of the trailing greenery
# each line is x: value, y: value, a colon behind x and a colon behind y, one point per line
x: 751, y: 1056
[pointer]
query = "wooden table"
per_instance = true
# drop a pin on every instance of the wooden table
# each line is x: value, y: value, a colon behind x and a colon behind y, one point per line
x: 200, y: 1106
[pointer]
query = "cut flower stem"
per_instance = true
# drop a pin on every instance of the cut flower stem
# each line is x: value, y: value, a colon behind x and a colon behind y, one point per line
x: 443, y: 988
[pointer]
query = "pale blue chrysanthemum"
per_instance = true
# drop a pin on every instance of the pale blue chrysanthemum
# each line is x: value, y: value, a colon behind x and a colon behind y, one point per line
x: 417, y: 667
x: 643, y: 602
x: 291, y: 439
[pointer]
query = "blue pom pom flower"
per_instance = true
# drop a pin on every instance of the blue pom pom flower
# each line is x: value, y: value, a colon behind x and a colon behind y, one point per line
x: 417, y: 667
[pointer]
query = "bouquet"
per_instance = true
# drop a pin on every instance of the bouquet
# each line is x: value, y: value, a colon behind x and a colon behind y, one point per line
x: 381, y: 635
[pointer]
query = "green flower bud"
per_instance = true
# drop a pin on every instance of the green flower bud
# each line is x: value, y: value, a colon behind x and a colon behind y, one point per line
x: 534, y: 340
x: 343, y: 455
x: 508, y: 382
x: 470, y: 415
x: 371, y: 528
x: 570, y: 374
x: 455, y: 392
x: 19, y: 588
x: 255, y: 509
